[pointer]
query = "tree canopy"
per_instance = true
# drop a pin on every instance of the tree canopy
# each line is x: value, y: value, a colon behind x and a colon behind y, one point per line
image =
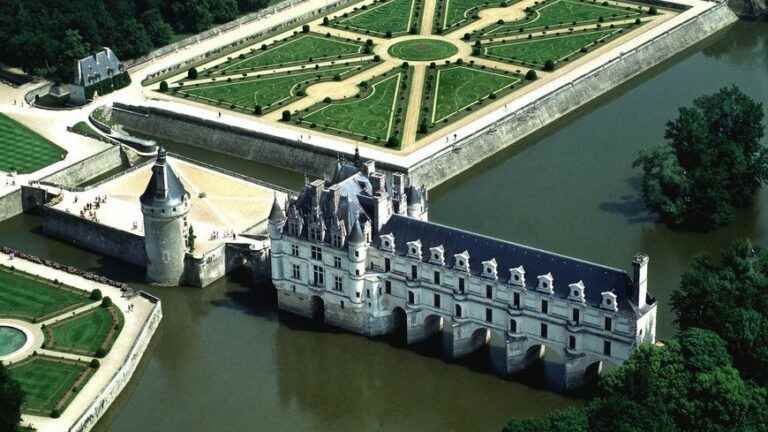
x: 712, y: 162
x: 45, y: 37
x: 11, y: 398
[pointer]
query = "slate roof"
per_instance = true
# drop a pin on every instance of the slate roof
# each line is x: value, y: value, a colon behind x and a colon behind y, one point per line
x: 96, y: 67
x: 565, y: 270
x: 353, y: 205
x: 164, y: 188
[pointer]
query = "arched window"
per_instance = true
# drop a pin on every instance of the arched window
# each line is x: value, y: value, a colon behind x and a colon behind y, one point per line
x: 458, y: 311
x: 512, y: 326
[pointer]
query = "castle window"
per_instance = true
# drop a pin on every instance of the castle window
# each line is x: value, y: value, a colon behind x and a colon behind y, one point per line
x: 342, y: 304
x: 387, y: 265
x: 414, y: 272
x: 607, y: 348
x: 608, y: 324
x: 488, y: 291
x: 572, y: 342
x: 357, y: 254
x: 337, y: 262
x: 512, y: 326
x: 318, y: 276
x: 576, y: 315
x: 295, y: 250
x: 296, y: 271
x: 544, y: 306
x: 461, y: 285
x: 388, y: 287
x: 338, y: 283
x: 437, y: 301
x: 437, y: 278
x: 317, y: 253
x: 357, y: 294
x: 411, y: 297
x: 489, y: 314
x: 293, y: 287
x: 316, y: 233
x: 336, y: 241
x: 544, y: 331
x: 458, y: 311
x: 516, y: 300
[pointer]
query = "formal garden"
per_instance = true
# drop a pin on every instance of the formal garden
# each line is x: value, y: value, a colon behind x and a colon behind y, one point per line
x: 78, y: 329
x: 405, y: 69
x: 24, y: 151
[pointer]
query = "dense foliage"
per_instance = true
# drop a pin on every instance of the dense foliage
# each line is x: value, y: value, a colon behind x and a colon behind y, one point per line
x: 712, y: 162
x: 44, y: 37
x: 11, y: 398
x: 711, y: 377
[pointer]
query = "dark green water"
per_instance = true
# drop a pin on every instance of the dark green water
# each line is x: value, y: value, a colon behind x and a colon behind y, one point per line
x: 225, y: 360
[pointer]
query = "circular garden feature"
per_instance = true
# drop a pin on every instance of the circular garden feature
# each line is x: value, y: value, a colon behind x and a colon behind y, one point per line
x: 11, y: 340
x: 423, y: 50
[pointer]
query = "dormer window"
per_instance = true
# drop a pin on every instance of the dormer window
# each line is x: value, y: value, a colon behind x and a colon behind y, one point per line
x: 490, y: 269
x: 388, y: 242
x: 414, y: 249
x: 610, y: 301
x: 546, y: 283
x: 577, y: 292
x: 517, y: 276
x: 336, y: 240
x: 436, y: 255
x: 461, y: 261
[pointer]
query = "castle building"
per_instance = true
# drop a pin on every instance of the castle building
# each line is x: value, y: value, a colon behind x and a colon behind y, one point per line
x: 99, y: 67
x: 164, y: 205
x: 358, y: 252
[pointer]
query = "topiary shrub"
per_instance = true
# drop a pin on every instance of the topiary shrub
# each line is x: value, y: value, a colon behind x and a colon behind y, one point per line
x: 95, y: 364
x: 101, y: 353
x: 531, y: 75
x: 549, y: 65
x: 164, y: 86
x: 305, y: 28
x: 55, y: 413
x: 95, y: 295
x: 192, y: 73
x: 653, y: 10
x: 393, y: 142
x: 106, y: 302
x: 257, y: 110
x: 286, y: 115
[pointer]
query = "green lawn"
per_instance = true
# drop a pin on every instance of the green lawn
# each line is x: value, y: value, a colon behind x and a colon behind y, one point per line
x: 47, y: 383
x: 538, y: 51
x: 265, y: 90
x: 456, y: 12
x: 560, y: 13
x: 23, y: 150
x: 371, y: 116
x: 85, y: 333
x: 22, y: 296
x: 395, y: 16
x: 459, y: 87
x: 296, y: 50
x: 423, y: 50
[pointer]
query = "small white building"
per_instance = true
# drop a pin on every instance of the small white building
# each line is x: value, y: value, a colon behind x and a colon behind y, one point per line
x: 358, y: 252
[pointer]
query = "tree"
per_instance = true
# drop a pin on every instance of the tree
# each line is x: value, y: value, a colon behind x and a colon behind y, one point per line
x: 159, y: 31
x: 191, y: 237
x: 713, y: 161
x: 192, y: 73
x: 11, y: 399
x: 531, y: 75
x: 730, y: 298
x: 567, y: 420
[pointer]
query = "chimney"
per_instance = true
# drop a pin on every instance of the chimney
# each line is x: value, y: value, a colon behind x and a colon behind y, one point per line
x: 369, y: 167
x: 317, y: 191
x: 640, y: 276
x: 378, y: 181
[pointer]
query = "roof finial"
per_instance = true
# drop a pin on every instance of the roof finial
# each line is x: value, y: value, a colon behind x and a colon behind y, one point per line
x: 161, y: 155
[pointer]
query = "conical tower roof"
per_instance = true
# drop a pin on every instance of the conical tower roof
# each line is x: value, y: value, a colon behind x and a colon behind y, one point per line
x: 356, y: 236
x: 164, y: 188
x: 276, y: 214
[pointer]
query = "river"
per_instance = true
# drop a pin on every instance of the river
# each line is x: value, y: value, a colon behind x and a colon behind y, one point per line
x: 224, y: 359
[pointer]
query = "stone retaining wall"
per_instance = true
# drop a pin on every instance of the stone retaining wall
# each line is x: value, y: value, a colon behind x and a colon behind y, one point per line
x: 98, y: 407
x: 11, y: 205
x: 87, y: 169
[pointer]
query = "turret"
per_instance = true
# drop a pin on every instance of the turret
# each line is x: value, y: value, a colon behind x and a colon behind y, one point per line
x: 276, y: 220
x: 417, y: 205
x: 358, y: 250
x: 164, y: 205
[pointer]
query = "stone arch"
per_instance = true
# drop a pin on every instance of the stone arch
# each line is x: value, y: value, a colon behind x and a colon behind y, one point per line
x: 480, y: 337
x: 399, y: 327
x: 317, y: 309
x: 433, y: 323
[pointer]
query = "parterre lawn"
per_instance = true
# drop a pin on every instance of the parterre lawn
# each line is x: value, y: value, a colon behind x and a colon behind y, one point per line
x: 563, y: 12
x: 45, y: 382
x: 370, y: 116
x: 459, y: 87
x: 456, y: 10
x: 395, y: 16
x: 24, y: 297
x: 423, y: 50
x: 538, y: 51
x: 85, y: 333
x: 23, y: 150
x: 298, y: 50
x: 264, y: 91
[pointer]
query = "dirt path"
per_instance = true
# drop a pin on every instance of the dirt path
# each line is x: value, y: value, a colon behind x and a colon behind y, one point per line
x: 428, y: 17
x: 411, y: 123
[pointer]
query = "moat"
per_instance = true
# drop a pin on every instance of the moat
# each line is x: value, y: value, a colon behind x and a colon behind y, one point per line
x: 224, y: 356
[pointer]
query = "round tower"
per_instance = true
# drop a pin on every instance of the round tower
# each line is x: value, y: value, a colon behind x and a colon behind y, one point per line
x: 276, y: 223
x: 358, y: 250
x: 165, y: 204
x: 416, y: 203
